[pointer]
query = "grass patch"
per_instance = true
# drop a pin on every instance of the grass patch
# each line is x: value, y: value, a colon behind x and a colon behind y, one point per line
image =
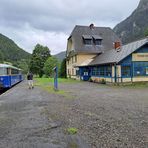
x: 72, y: 130
x: 73, y: 145
x: 51, y: 80
x: 133, y: 85
x: 47, y: 84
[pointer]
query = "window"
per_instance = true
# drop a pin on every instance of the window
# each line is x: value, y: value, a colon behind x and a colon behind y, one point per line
x: 108, y: 71
x: 140, y: 68
x: 85, y: 73
x: 87, y: 41
x: 68, y: 72
x: 126, y: 71
x: 77, y: 72
x: 97, y: 41
x: 138, y: 71
x: 3, y: 71
x: 14, y: 71
x: 67, y: 62
x: 95, y: 71
x: 72, y: 71
x: 102, y: 72
x: 75, y: 58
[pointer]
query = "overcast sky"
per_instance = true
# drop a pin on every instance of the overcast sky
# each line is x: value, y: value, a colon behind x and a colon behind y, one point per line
x: 49, y: 22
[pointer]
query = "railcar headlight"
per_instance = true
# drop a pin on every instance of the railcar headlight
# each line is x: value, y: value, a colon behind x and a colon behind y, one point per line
x: 1, y: 79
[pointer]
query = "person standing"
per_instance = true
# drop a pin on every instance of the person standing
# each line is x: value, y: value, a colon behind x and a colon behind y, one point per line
x: 30, y: 80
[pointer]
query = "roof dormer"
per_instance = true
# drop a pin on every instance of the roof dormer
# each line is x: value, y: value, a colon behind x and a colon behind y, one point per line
x: 87, y: 39
x: 97, y: 40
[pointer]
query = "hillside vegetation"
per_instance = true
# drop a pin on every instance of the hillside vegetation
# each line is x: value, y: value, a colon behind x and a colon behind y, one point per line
x: 136, y: 25
x: 10, y: 52
x: 60, y: 56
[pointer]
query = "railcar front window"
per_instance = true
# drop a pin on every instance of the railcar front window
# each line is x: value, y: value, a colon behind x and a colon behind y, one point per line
x: 14, y: 71
x: 3, y: 71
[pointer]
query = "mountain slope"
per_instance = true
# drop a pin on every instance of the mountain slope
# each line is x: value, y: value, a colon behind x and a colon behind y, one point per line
x: 11, y: 52
x: 60, y: 56
x: 135, y: 25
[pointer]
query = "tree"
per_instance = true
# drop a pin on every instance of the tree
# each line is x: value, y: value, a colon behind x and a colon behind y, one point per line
x: 1, y: 57
x: 63, y: 69
x: 146, y: 32
x: 23, y: 64
x: 39, y: 56
x: 49, y: 65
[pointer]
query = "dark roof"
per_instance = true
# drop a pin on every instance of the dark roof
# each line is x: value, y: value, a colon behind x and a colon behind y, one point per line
x: 97, y: 37
x: 87, y: 36
x: 114, y: 56
x: 105, y: 33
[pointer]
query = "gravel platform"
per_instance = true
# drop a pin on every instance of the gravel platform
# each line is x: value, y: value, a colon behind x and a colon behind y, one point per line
x: 105, y: 117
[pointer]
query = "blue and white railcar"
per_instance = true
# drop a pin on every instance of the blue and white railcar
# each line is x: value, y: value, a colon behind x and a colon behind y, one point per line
x: 9, y: 75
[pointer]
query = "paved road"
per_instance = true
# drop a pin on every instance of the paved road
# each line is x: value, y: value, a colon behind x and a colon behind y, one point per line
x: 105, y: 116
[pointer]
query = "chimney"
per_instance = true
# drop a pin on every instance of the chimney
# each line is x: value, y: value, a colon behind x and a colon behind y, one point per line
x: 117, y: 46
x: 91, y: 26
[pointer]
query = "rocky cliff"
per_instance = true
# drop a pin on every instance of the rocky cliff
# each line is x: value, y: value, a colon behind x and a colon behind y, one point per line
x: 134, y: 27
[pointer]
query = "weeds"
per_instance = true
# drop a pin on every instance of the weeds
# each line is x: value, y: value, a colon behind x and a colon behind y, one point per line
x: 72, y: 130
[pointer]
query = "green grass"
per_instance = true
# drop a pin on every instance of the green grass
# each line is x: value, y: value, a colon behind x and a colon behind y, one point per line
x: 72, y: 130
x: 51, y: 80
x: 133, y: 85
x: 47, y: 84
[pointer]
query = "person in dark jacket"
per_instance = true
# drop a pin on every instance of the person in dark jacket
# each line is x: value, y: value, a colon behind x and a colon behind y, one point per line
x: 30, y: 80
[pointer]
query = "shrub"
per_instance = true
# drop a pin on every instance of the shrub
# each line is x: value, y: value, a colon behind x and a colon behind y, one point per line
x: 90, y: 79
x: 103, y: 81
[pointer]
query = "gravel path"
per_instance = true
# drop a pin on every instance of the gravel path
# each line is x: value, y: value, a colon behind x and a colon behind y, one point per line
x: 105, y: 116
x: 110, y: 117
x: 26, y: 120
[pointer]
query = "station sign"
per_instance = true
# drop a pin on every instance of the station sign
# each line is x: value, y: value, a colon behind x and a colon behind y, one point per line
x: 140, y: 57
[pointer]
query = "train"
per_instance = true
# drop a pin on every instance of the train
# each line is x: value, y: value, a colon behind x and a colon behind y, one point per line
x: 9, y: 76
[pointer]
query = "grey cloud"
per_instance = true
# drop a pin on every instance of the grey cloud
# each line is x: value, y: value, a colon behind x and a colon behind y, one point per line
x: 46, y: 20
x: 59, y: 15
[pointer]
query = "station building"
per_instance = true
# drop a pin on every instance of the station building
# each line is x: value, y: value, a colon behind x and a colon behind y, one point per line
x: 85, y: 43
x: 127, y: 63
x: 96, y: 53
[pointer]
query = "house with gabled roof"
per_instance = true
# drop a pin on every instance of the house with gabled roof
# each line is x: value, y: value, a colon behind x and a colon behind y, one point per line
x: 84, y: 44
x: 127, y: 63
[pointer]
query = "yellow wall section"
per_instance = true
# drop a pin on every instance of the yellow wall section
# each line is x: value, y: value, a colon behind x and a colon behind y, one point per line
x: 113, y: 71
x: 80, y: 59
x: 140, y: 57
x: 140, y: 79
x: 83, y: 57
x: 118, y: 71
x: 126, y: 79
